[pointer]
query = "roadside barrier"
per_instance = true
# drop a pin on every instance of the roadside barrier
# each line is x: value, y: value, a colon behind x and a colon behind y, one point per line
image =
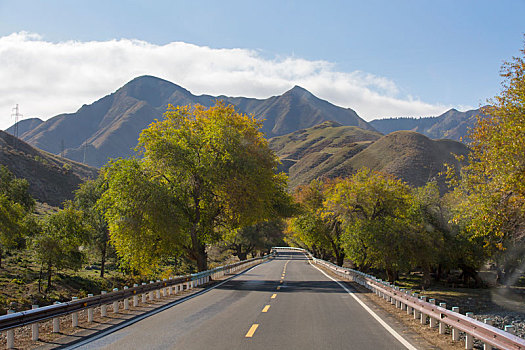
x: 148, y: 291
x: 426, y: 311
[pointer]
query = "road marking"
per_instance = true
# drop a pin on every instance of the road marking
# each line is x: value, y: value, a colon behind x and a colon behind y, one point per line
x: 138, y: 318
x: 266, y: 308
x: 278, y: 287
x: 281, y: 281
x: 273, y: 296
x: 252, y: 330
x: 374, y: 315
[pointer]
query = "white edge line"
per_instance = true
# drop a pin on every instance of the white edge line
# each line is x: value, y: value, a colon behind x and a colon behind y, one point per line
x: 138, y: 318
x: 374, y: 315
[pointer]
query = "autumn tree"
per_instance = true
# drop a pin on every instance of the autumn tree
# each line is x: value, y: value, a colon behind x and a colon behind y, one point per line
x: 202, y: 171
x: 373, y: 209
x: 318, y: 229
x: 490, y: 194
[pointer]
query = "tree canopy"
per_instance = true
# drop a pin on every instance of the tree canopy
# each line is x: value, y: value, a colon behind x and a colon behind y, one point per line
x: 203, y: 171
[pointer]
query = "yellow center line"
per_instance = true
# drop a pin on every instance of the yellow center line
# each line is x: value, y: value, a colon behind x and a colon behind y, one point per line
x: 252, y: 330
x: 265, y: 309
x: 273, y: 296
x: 281, y: 281
x: 278, y: 287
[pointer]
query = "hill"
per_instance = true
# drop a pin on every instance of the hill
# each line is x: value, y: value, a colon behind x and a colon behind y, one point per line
x: 452, y: 124
x: 311, y: 153
x: 52, y: 179
x: 25, y: 125
x: 109, y: 127
x: 409, y: 156
x: 331, y: 150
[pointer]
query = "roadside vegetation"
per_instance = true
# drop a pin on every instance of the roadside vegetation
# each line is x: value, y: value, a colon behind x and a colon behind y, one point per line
x: 204, y: 188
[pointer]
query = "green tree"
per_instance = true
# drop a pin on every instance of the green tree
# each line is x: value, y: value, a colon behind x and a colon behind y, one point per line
x: 318, y: 229
x: 490, y: 193
x: 259, y: 237
x: 59, y: 245
x: 204, y: 171
x: 374, y: 210
x: 16, y: 205
x: 86, y: 199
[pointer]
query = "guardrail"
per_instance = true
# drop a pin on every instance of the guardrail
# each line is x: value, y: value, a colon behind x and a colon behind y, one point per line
x: 426, y: 311
x: 150, y: 291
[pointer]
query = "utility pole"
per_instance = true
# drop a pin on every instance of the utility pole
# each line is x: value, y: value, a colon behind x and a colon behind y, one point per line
x: 16, y: 114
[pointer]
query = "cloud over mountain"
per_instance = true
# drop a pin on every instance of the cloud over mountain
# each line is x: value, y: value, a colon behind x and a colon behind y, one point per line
x: 47, y: 78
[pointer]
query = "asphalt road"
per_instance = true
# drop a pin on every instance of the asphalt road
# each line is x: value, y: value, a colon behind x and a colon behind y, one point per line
x: 282, y: 304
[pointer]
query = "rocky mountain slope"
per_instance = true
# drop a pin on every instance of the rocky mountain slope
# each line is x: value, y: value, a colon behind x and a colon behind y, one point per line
x: 52, y: 179
x: 109, y: 127
x: 452, y: 124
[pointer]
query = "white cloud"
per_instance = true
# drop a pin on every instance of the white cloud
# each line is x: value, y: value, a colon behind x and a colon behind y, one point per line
x: 48, y: 78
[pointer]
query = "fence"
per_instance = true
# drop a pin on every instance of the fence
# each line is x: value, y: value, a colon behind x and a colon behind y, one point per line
x: 150, y: 291
x: 426, y: 311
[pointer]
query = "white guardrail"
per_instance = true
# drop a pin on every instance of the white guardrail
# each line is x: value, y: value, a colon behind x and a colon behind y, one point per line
x: 426, y: 311
x: 147, y: 291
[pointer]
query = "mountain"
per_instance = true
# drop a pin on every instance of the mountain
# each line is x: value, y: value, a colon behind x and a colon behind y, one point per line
x: 452, y: 124
x: 109, y: 127
x: 25, y: 125
x: 312, y: 153
x: 332, y: 150
x: 52, y: 179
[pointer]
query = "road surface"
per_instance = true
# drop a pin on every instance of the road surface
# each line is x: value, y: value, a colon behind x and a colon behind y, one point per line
x: 285, y: 303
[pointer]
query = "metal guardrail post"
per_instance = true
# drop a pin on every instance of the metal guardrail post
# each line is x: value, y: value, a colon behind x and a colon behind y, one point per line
x: 157, y: 292
x: 469, y: 339
x: 510, y: 329
x: 90, y: 311
x: 135, y: 296
x: 151, y: 297
x: 126, y: 300
x: 10, y: 334
x: 144, y: 294
x: 417, y: 314
x: 56, y: 321
x: 423, y: 318
x: 34, y: 326
x: 442, y: 325
x: 455, y: 331
x: 74, y: 316
x: 432, y: 320
x: 115, y: 303
x: 485, y: 345
x: 103, y: 307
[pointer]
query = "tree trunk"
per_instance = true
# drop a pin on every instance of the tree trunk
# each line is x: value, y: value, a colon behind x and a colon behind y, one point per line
x: 49, y: 273
x: 340, y: 257
x: 103, y: 259
x: 426, y: 277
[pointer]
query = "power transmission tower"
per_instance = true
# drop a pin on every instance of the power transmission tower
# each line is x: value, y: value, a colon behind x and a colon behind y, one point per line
x: 16, y: 114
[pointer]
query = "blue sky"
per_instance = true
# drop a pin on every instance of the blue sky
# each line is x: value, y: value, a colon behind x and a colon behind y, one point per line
x: 431, y: 55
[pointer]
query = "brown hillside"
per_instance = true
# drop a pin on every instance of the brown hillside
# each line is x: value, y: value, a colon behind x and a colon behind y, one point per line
x: 52, y: 179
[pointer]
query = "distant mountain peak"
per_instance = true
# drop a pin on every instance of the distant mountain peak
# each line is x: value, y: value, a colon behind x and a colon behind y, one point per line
x: 299, y: 91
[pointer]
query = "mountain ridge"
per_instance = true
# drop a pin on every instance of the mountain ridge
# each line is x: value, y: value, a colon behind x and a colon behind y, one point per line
x: 109, y: 127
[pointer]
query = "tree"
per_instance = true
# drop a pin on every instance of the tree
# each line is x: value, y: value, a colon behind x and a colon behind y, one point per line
x: 490, y: 194
x: 320, y: 230
x: 374, y: 211
x: 86, y: 199
x: 208, y: 168
x: 258, y: 237
x: 59, y: 244
x: 16, y: 205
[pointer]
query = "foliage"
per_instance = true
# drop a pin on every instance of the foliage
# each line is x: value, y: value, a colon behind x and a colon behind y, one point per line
x: 59, y: 245
x: 16, y: 205
x: 490, y: 195
x: 318, y: 229
x: 86, y: 198
x: 203, y: 172
x: 255, y: 238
